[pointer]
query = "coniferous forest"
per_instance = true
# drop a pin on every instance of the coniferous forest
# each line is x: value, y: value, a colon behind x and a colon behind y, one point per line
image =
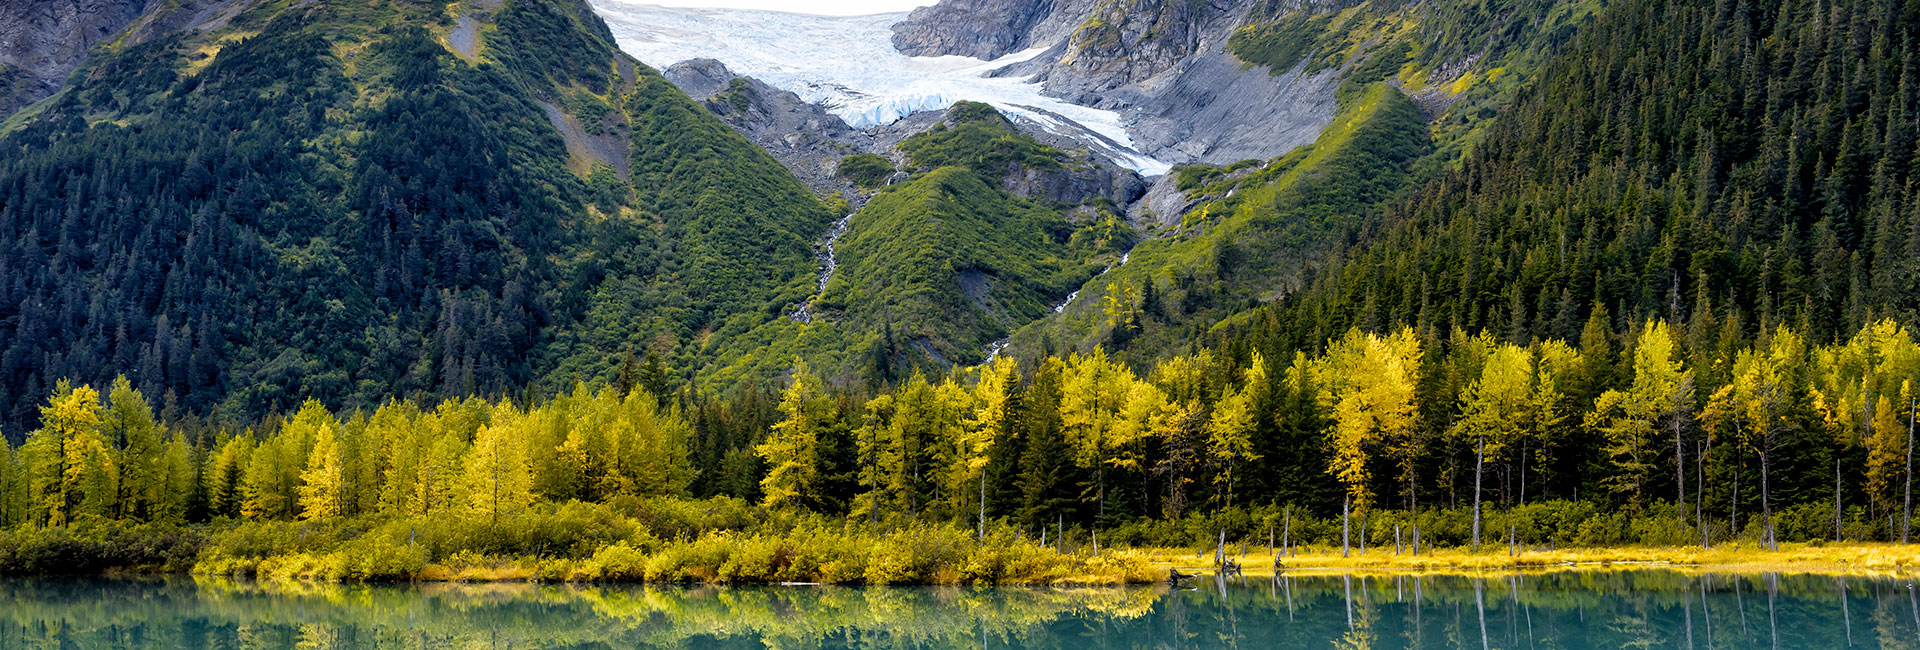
x: 1665, y: 293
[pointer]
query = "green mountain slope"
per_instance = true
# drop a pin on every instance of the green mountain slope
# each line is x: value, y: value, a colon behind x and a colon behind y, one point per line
x: 1257, y: 235
x: 938, y: 266
x: 356, y: 200
x: 1730, y: 167
x: 1419, y: 87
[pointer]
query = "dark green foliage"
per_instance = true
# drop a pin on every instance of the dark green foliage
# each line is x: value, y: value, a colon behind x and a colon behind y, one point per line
x: 1781, y: 196
x: 737, y: 94
x: 952, y: 256
x: 265, y: 228
x: 981, y: 139
x: 98, y: 546
x: 552, y: 41
x: 1278, y: 45
x: 866, y: 170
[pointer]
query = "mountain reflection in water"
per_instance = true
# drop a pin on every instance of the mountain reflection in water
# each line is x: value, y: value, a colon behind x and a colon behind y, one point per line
x: 1571, y: 610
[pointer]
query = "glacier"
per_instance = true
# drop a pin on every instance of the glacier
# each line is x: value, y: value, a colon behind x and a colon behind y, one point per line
x: 848, y: 64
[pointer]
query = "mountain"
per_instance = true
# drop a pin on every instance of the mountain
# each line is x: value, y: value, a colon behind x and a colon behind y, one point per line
x: 267, y: 202
x: 1731, y: 167
x: 973, y: 229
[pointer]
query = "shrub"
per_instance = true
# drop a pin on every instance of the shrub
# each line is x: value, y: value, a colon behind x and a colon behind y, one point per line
x: 866, y: 170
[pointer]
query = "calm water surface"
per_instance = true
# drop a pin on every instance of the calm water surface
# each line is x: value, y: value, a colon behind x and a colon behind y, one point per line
x: 1567, y: 611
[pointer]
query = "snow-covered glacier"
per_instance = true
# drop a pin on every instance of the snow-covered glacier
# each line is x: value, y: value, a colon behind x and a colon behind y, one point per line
x: 848, y: 64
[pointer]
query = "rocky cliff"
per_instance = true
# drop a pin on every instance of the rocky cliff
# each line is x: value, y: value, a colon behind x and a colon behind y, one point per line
x: 42, y: 41
x: 1161, y: 63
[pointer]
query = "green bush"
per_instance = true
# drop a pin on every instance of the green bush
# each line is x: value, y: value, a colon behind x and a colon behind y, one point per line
x: 866, y: 170
x: 92, y: 547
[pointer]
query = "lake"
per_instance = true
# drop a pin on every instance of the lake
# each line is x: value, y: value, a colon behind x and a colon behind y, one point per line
x: 1568, y: 610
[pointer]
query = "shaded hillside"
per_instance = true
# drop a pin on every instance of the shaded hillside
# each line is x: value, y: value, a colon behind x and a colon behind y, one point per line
x: 1727, y: 166
x: 351, y: 201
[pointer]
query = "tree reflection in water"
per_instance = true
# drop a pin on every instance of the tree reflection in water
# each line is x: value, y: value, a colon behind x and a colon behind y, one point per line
x: 1575, y: 610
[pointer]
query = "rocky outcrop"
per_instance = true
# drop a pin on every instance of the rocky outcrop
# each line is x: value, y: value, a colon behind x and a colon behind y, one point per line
x: 1085, y: 180
x: 1162, y: 64
x: 1219, y: 111
x: 804, y: 137
x: 42, y: 41
x: 1126, y: 42
x: 982, y: 29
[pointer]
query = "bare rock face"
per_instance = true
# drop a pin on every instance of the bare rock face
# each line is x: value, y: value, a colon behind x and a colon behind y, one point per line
x: 1162, y: 64
x: 42, y: 41
x: 982, y: 29
x: 1126, y: 42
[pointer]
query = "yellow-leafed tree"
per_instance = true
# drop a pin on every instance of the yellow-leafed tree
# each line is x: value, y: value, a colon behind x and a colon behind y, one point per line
x: 792, y: 450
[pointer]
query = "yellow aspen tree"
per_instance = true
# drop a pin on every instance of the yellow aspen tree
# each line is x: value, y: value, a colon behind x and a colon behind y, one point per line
x: 1092, y: 396
x: 391, y: 429
x: 870, y: 442
x: 322, y: 485
x: 1661, y: 394
x: 648, y: 446
x: 991, y: 409
x: 1181, y: 430
x: 792, y: 450
x: 129, y: 426
x: 911, y: 454
x: 1368, y: 382
x: 1494, y: 412
x: 1887, y: 453
x: 222, y: 478
x: 71, y: 468
x: 268, y: 486
x: 1754, y: 406
x: 12, y: 485
x: 1230, y: 430
x: 588, y: 447
x: 498, y: 479
x: 170, y: 505
x: 1556, y: 365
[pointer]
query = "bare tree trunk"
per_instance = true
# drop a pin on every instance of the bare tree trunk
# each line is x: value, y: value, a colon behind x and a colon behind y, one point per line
x: 1286, y: 534
x: 1906, y: 508
x: 1220, y: 551
x: 983, y: 505
x: 1679, y: 467
x: 1733, y: 516
x: 1700, y: 496
x: 1363, y: 532
x: 1766, y: 507
x: 1346, y: 516
x: 1836, y: 498
x: 1479, y: 463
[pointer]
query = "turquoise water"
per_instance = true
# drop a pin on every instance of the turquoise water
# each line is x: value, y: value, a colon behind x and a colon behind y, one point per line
x: 1569, y: 611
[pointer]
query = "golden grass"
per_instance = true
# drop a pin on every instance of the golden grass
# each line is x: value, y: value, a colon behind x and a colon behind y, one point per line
x: 1826, y: 559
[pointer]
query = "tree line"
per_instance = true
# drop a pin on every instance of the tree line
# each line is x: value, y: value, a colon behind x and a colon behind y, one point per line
x: 1369, y: 421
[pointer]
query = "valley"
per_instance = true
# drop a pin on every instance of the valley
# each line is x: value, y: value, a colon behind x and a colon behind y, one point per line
x: 1045, y: 292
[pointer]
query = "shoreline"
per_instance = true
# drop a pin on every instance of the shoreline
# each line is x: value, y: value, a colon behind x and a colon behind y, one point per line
x: 1852, y: 559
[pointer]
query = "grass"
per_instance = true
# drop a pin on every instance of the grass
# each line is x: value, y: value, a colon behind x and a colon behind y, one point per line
x: 1815, y: 558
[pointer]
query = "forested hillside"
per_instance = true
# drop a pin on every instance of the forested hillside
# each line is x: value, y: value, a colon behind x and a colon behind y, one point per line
x: 985, y: 230
x: 350, y: 201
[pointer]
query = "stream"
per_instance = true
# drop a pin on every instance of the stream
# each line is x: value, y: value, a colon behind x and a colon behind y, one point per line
x: 829, y: 261
x: 993, y: 349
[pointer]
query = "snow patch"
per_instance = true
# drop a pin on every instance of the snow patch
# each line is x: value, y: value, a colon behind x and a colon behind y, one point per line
x: 848, y: 64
